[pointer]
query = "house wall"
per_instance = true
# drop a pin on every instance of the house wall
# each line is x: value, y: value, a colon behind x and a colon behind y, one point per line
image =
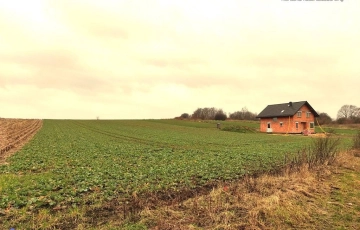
x: 289, y: 124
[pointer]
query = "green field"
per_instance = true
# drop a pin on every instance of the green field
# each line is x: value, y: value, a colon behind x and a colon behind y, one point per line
x: 69, y: 160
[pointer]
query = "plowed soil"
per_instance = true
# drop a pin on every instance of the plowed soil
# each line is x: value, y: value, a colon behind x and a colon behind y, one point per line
x: 15, y: 133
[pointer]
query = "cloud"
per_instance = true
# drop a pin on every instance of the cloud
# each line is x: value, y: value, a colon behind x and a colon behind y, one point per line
x: 302, y: 62
x: 185, y: 64
x: 108, y: 31
x: 54, y: 69
x: 149, y: 59
x: 43, y: 59
x: 84, y: 17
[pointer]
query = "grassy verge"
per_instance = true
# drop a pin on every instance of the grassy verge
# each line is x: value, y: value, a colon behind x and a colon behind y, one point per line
x: 327, y: 197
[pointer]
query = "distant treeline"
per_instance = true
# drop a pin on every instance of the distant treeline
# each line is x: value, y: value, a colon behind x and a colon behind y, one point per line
x: 218, y: 114
x: 347, y: 114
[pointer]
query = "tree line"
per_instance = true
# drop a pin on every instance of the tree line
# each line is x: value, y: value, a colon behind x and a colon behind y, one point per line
x: 347, y: 114
x: 213, y: 113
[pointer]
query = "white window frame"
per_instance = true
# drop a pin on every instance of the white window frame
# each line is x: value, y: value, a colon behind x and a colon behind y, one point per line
x: 308, y: 114
x: 312, y: 124
x: 299, y: 113
x: 281, y: 124
x: 296, y: 125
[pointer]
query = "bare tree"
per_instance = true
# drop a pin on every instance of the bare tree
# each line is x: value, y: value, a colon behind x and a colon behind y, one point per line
x: 244, y: 114
x: 206, y: 113
x: 357, y: 113
x: 197, y: 114
x: 348, y: 112
x: 235, y: 115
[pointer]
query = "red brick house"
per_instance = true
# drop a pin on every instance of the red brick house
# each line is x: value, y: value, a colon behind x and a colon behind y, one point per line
x: 292, y: 117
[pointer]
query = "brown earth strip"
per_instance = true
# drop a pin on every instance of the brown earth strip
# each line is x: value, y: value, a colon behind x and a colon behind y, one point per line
x: 14, y: 134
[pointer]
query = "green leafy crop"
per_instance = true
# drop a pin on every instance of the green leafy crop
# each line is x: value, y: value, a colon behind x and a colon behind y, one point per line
x: 68, y: 159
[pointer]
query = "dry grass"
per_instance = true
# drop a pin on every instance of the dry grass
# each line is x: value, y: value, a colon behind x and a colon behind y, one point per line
x: 356, y: 141
x: 292, y: 200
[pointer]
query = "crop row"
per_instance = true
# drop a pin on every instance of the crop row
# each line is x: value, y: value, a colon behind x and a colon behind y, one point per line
x: 16, y: 132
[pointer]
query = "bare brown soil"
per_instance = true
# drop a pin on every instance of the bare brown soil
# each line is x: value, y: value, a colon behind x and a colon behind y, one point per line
x: 15, y: 133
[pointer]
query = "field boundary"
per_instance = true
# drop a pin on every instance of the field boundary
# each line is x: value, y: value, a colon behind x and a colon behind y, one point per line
x: 18, y: 136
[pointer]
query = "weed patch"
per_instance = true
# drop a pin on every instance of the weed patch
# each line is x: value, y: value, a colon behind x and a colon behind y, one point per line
x: 322, y: 151
x: 356, y: 141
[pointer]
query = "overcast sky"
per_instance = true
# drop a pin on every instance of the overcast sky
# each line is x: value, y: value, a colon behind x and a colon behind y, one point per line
x: 158, y: 59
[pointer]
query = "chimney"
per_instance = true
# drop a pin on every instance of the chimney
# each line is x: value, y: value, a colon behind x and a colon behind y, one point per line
x: 290, y: 104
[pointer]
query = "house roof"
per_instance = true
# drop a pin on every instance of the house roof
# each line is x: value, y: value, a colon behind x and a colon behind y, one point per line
x: 285, y: 109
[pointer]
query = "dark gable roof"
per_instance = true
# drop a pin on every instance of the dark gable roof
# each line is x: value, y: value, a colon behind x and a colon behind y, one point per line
x: 285, y: 109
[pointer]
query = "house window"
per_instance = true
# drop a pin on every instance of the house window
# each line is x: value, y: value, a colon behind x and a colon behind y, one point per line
x: 275, y: 119
x: 299, y: 114
x: 308, y: 114
x: 312, y: 125
x: 281, y: 124
x: 296, y: 125
x: 269, y: 126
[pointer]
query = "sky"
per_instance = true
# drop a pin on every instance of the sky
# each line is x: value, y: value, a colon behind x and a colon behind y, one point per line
x: 153, y: 59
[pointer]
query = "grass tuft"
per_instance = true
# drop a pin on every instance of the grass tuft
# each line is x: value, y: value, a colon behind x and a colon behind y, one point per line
x: 356, y: 141
x: 322, y: 151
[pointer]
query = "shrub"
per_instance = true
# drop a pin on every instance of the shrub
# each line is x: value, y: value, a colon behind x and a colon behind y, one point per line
x: 185, y: 115
x: 356, y: 141
x: 220, y: 116
x: 322, y: 151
